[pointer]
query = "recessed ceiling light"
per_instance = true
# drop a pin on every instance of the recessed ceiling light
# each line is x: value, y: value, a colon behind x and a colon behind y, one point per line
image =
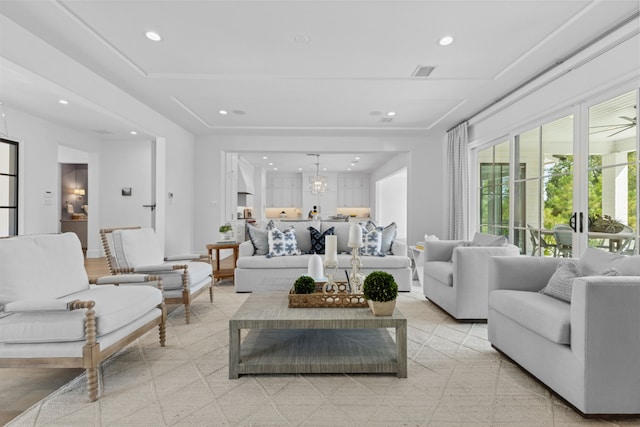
x: 348, y: 169
x: 301, y: 39
x: 223, y: 112
x: 153, y: 36
x: 63, y: 101
x: 324, y: 169
x: 391, y: 113
x: 270, y: 164
x: 264, y: 157
x: 133, y: 132
x: 357, y: 158
x: 299, y: 169
x: 275, y: 169
x: 445, y: 41
x: 353, y: 164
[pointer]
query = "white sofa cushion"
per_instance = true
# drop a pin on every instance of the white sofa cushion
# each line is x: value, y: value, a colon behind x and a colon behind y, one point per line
x: 594, y: 261
x: 546, y: 316
x: 302, y: 261
x: 115, y: 307
x: 197, y: 271
x: 136, y: 247
x: 60, y: 269
x: 483, y: 239
x: 442, y: 271
x: 627, y: 265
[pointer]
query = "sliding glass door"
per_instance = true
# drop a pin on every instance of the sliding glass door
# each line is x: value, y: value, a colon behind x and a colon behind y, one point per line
x: 574, y: 182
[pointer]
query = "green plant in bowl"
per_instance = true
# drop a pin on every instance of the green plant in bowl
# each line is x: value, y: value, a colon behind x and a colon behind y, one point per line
x: 225, y: 228
x: 304, y: 285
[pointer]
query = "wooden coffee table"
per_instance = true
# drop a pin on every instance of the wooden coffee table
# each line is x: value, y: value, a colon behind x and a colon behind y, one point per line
x: 283, y: 340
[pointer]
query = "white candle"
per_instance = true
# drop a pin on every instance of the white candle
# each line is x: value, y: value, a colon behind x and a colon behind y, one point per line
x: 314, y: 269
x: 355, y: 236
x: 331, y: 248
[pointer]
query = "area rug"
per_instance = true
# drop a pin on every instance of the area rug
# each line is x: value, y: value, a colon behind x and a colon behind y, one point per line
x: 454, y: 378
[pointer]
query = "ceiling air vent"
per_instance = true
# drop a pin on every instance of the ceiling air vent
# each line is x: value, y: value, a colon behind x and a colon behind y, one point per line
x: 386, y: 119
x: 423, y: 71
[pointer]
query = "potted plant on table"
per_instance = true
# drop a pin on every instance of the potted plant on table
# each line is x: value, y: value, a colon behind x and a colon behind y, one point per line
x: 226, y: 231
x: 380, y: 289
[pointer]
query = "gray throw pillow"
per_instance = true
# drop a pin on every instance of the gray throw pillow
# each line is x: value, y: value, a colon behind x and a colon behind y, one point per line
x: 627, y: 265
x: 560, y: 284
x: 594, y: 261
x: 260, y: 240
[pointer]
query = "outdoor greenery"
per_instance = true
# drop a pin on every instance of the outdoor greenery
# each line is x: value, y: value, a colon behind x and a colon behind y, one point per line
x: 558, y: 207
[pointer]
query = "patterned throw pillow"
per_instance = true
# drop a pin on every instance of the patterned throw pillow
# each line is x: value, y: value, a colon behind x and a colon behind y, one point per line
x: 372, y: 240
x: 388, y: 235
x: 560, y: 284
x: 281, y: 243
x: 317, y: 239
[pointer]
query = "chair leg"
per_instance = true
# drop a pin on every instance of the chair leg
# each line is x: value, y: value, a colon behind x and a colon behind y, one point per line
x: 211, y: 292
x: 92, y: 383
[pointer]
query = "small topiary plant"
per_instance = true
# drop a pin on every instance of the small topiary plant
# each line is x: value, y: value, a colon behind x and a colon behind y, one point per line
x: 304, y: 285
x: 225, y: 228
x: 380, y: 286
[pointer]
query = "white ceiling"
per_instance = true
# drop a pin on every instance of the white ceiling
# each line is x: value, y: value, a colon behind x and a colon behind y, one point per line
x: 354, y: 64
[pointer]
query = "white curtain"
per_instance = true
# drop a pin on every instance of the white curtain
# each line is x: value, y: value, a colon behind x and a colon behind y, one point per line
x: 458, y: 182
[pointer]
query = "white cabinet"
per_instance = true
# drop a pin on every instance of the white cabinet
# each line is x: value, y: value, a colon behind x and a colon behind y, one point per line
x: 284, y: 190
x: 353, y: 190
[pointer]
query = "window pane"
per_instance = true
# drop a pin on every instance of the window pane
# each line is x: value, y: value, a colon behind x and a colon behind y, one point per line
x: 8, y: 222
x: 8, y: 153
x: 528, y: 152
x: 613, y: 174
x: 8, y: 191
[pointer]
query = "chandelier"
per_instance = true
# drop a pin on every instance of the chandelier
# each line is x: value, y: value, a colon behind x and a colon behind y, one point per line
x: 317, y: 183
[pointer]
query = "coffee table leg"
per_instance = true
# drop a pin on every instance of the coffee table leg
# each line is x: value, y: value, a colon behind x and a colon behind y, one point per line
x: 401, y: 349
x: 234, y: 350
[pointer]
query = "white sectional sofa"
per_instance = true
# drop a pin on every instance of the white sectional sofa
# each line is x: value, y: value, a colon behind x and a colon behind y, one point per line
x: 259, y: 272
x: 587, y: 350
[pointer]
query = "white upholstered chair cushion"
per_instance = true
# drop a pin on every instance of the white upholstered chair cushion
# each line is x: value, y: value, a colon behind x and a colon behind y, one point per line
x: 198, y: 272
x: 60, y: 267
x: 136, y: 247
x: 115, y: 307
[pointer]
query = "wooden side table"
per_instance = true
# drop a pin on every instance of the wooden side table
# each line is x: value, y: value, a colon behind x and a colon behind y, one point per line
x: 223, y: 273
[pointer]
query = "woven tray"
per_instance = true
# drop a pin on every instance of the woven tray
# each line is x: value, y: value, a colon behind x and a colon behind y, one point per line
x: 318, y: 299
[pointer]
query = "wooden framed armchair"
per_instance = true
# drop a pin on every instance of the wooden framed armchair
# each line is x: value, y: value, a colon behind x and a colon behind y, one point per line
x: 136, y: 250
x: 52, y: 316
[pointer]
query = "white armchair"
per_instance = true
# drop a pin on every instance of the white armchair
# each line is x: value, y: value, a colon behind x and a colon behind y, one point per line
x: 136, y: 250
x: 586, y: 350
x: 51, y: 316
x: 456, y: 276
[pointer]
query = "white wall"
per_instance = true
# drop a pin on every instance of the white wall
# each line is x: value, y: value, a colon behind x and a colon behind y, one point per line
x: 391, y: 201
x: 423, y: 159
x: 39, y: 172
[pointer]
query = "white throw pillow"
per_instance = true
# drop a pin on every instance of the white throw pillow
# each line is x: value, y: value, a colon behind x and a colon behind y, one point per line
x: 627, y: 265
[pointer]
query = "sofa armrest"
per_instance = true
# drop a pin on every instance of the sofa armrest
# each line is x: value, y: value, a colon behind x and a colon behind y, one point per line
x: 399, y: 248
x: 246, y: 249
x: 521, y: 273
x: 440, y: 250
x: 39, y: 304
x: 605, y: 314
